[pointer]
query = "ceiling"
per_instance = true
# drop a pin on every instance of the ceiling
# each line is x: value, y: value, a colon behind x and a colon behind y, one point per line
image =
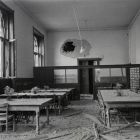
x: 60, y: 15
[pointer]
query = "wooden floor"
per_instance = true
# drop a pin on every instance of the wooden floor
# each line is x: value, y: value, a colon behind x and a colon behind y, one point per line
x: 71, y: 125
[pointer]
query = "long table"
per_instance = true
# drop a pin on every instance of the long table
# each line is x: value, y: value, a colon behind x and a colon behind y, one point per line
x: 128, y: 99
x: 60, y: 89
x: 69, y: 91
x: 29, y: 105
x: 40, y: 94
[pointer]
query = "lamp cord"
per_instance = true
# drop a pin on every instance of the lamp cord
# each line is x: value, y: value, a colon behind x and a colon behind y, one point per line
x: 77, y: 26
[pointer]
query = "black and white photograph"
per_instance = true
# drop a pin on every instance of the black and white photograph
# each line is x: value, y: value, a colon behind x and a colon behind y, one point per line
x: 69, y: 69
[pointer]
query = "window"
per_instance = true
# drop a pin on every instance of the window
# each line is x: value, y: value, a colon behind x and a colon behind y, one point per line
x: 65, y: 76
x: 7, y: 42
x: 38, y: 48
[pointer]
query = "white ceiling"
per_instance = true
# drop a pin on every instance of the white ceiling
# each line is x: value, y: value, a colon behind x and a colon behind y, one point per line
x: 91, y: 14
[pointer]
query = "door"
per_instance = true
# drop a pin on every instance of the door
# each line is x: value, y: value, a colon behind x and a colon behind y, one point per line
x: 87, y: 75
x: 84, y: 78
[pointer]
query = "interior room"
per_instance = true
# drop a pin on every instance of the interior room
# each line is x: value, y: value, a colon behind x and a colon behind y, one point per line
x: 69, y: 69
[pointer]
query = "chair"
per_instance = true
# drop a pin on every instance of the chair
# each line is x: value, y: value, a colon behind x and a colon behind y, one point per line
x: 6, y: 119
x: 114, y: 114
x: 101, y: 106
x: 54, y: 104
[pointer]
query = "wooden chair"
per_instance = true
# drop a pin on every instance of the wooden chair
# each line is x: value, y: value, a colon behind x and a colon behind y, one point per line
x: 101, y: 106
x: 114, y: 114
x: 6, y: 119
x: 54, y: 104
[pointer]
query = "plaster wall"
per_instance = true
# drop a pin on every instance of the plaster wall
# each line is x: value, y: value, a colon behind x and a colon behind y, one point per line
x: 110, y: 44
x: 134, y: 41
x: 24, y: 24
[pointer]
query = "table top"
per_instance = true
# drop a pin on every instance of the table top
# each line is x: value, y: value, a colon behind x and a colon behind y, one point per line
x: 45, y: 93
x: 110, y: 96
x: 53, y: 90
x: 25, y: 102
x: 59, y: 89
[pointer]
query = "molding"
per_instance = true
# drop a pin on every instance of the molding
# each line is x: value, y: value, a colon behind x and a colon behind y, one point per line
x: 5, y: 7
x: 133, y: 20
x: 88, y: 29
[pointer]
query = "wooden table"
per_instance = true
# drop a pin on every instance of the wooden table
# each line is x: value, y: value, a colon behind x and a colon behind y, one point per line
x: 69, y: 91
x: 129, y: 99
x: 40, y: 94
x: 60, y: 89
x: 29, y: 105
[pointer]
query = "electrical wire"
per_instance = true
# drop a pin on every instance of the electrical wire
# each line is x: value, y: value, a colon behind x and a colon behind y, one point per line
x: 77, y: 23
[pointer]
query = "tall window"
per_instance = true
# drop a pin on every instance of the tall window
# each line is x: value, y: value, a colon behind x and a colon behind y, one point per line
x: 7, y: 42
x: 38, y: 48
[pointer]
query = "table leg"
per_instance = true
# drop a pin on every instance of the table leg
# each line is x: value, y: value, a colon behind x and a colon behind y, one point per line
x: 47, y: 114
x: 37, y: 121
x: 67, y: 99
x: 108, y: 117
x: 59, y: 104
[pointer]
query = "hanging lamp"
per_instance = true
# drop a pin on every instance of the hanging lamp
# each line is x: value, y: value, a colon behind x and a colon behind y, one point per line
x: 73, y: 47
x: 79, y: 32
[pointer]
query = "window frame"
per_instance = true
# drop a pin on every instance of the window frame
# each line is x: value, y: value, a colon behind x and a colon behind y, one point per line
x: 39, y: 36
x: 8, y: 68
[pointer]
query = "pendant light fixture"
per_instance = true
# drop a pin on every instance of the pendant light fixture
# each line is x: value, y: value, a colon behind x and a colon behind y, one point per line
x: 79, y: 32
x: 73, y: 47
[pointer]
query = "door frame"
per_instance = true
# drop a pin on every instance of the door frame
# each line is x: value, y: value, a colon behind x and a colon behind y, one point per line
x: 79, y: 60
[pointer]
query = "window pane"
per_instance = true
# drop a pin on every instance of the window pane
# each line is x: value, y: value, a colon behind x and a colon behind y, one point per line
x: 6, y: 60
x: 118, y: 75
x: 7, y: 48
x: 36, y: 60
x: 1, y: 25
x: 116, y: 72
x: 134, y: 77
x: 104, y: 75
x: 39, y: 60
x: 1, y: 58
x: 59, y: 76
x: 42, y: 49
x: 12, y: 60
x: 71, y: 76
x: 38, y: 49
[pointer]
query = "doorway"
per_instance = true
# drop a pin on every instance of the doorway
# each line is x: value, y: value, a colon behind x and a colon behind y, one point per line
x: 86, y: 76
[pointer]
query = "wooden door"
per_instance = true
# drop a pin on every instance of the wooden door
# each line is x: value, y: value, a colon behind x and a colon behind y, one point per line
x: 84, y: 78
x: 87, y: 75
